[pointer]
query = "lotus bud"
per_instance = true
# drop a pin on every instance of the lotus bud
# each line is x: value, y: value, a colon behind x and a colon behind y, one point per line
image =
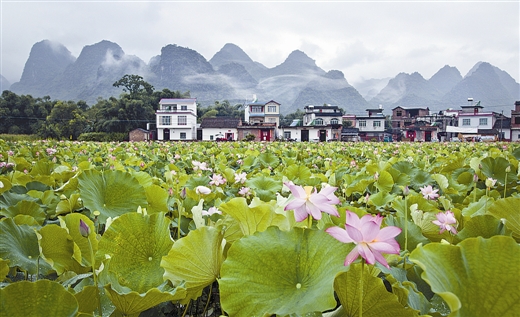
x: 475, y: 178
x: 406, y: 191
x: 490, y: 182
x: 508, y: 169
x: 183, y: 193
x: 202, y: 190
x: 84, y: 229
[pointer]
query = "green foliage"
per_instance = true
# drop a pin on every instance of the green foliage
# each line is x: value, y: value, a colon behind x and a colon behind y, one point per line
x: 103, y: 136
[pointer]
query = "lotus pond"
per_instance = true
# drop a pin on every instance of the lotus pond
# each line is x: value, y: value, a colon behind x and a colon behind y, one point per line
x: 259, y: 229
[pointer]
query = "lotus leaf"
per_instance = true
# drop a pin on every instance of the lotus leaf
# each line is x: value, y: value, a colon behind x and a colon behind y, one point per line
x: 111, y: 192
x: 4, y: 269
x: 298, y: 174
x: 264, y: 187
x: 377, y: 301
x: 136, y: 244
x: 157, y: 199
x: 268, y: 159
x: 19, y: 245
x: 496, y: 168
x: 25, y: 207
x: 385, y: 182
x: 253, y: 219
x: 477, y: 277
x: 71, y: 222
x: 484, y: 226
x: 42, y: 298
x: 195, y: 259
x: 281, y: 272
x: 508, y: 209
x: 58, y: 249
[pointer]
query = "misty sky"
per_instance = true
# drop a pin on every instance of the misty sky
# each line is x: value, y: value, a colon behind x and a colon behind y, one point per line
x: 370, y: 39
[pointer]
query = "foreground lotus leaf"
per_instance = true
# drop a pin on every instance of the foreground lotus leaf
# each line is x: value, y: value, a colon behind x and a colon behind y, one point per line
x: 42, y: 298
x: 71, y: 222
x: 508, y: 209
x: 136, y: 244
x: 132, y: 302
x: 377, y: 301
x: 19, y: 245
x: 477, y: 277
x: 195, y: 259
x: 253, y: 218
x: 57, y: 249
x: 111, y: 192
x: 281, y: 272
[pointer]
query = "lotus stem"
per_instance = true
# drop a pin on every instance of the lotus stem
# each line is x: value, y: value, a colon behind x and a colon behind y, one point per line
x: 309, y: 219
x: 186, y: 309
x: 505, y: 185
x: 93, y: 265
x: 361, y: 288
x: 209, y: 298
x: 405, y: 231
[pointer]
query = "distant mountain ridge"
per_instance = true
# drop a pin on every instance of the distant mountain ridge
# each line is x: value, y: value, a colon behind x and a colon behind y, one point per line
x: 231, y: 74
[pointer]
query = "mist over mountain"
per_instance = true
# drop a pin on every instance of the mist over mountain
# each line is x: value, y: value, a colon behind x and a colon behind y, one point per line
x: 4, y: 83
x: 231, y: 74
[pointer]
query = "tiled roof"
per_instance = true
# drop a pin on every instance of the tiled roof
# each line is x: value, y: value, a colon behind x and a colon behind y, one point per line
x: 220, y: 122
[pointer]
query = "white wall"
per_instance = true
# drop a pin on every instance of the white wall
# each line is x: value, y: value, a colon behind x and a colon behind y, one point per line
x: 208, y: 132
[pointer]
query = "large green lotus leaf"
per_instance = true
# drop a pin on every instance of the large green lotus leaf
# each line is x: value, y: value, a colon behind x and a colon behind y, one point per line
x: 415, y: 236
x: 5, y: 184
x: 381, y: 199
x: 69, y: 205
x: 57, y: 249
x: 11, y: 198
x: 111, y: 192
x: 82, y: 245
x: 496, y: 168
x: 19, y: 245
x: 421, y: 179
x: 87, y: 299
x: 157, y: 199
x: 42, y: 298
x: 132, y: 303
x: 264, y: 187
x: 268, y: 159
x: 298, y: 174
x: 485, y: 226
x: 384, y: 182
x: 509, y: 210
x: 4, y: 269
x: 377, y: 301
x: 477, y: 277
x: 25, y: 207
x: 253, y: 219
x: 195, y: 259
x: 281, y: 272
x: 136, y: 244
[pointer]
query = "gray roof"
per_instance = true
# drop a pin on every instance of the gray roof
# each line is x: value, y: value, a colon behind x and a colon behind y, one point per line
x: 220, y: 122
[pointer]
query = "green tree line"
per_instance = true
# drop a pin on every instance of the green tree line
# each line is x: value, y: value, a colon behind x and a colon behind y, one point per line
x: 135, y: 107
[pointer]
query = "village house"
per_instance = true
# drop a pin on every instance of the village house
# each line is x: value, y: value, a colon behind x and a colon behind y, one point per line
x: 176, y: 119
x: 515, y: 122
x: 372, y: 126
x: 261, y: 119
x: 139, y: 135
x: 219, y: 129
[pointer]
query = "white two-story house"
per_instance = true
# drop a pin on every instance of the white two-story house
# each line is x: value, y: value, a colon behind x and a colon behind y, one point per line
x: 261, y: 119
x: 474, y: 123
x: 176, y: 119
x: 371, y: 126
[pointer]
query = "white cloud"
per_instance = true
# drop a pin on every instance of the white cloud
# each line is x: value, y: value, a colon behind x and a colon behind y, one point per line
x: 361, y: 39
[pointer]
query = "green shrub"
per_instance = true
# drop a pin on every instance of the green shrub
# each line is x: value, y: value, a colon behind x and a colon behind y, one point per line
x: 19, y: 137
x: 103, y: 137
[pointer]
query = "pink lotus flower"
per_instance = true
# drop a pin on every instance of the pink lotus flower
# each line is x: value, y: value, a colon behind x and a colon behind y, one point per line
x: 84, y: 229
x: 211, y: 211
x: 445, y: 221
x: 429, y: 193
x: 371, y: 241
x: 217, y: 179
x: 244, y: 191
x: 306, y: 202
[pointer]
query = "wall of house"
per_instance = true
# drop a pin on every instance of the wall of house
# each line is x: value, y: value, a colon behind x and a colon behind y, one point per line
x: 475, y: 120
x: 211, y: 134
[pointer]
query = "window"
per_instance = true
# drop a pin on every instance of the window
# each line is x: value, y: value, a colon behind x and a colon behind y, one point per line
x: 466, y: 121
x: 287, y: 134
x: 482, y: 121
x: 362, y: 123
x: 272, y: 120
x: 517, y: 120
x: 184, y: 107
x: 376, y: 124
x: 318, y: 121
x: 271, y: 108
x: 183, y: 135
x: 182, y: 120
x: 165, y: 120
x: 334, y: 121
x: 398, y: 113
x: 256, y: 109
x: 211, y: 137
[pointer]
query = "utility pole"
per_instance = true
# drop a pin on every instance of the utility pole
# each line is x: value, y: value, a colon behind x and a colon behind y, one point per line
x: 501, y: 123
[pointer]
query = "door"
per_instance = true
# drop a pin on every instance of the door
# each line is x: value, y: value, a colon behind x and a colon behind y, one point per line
x: 305, y: 135
x: 166, y: 134
x: 428, y: 136
x: 264, y: 135
x: 323, y: 135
